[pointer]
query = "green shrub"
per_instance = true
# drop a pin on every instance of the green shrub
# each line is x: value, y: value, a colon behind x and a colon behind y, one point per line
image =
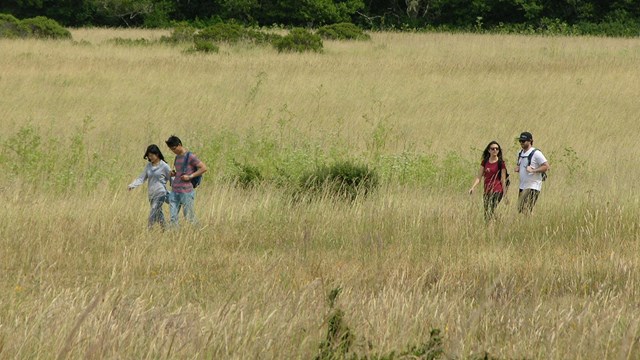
x: 234, y: 33
x: 42, y: 27
x: 343, y: 179
x: 299, y: 40
x: 8, y: 18
x: 203, y: 46
x: 181, y: 33
x: 246, y: 175
x: 10, y: 27
x: 342, y: 31
x: 222, y: 32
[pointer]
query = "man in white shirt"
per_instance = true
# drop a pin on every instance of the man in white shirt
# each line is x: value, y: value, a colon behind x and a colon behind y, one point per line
x: 532, y: 166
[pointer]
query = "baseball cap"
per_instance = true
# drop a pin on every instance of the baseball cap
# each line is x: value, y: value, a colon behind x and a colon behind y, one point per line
x: 525, y: 136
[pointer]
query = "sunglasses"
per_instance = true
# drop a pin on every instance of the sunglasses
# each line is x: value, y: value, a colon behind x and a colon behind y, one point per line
x: 493, y: 148
x: 521, y: 141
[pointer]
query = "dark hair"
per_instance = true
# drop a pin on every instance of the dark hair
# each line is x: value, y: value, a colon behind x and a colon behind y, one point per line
x: 153, y: 149
x: 173, y: 141
x: 486, y: 155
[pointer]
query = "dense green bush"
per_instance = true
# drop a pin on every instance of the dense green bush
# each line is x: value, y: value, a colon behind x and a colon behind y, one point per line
x: 204, y: 46
x: 221, y: 32
x: 10, y: 27
x: 234, y: 33
x: 181, y: 33
x: 344, y: 179
x: 42, y: 27
x: 246, y: 175
x: 38, y: 27
x: 342, y: 31
x: 299, y: 40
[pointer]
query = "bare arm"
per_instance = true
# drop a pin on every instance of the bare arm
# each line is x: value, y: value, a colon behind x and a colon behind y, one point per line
x: 201, y: 169
x: 476, y: 181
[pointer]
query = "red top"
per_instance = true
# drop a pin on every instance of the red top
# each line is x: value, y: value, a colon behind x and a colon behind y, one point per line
x: 492, y: 176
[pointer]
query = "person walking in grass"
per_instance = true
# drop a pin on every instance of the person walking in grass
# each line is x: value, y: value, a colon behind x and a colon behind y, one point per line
x: 532, y: 168
x: 494, y: 172
x: 187, y: 167
x: 157, y: 173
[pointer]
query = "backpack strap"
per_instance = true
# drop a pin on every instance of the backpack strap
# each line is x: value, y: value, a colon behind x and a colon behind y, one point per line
x: 500, y: 165
x: 185, y: 164
x: 519, y: 158
x: 531, y: 155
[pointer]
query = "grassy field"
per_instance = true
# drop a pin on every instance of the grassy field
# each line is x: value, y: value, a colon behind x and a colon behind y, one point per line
x: 418, y: 271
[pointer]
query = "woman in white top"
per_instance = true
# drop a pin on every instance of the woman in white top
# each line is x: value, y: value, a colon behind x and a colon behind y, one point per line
x: 157, y: 172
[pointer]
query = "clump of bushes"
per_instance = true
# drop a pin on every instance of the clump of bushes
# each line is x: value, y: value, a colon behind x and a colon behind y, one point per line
x: 299, y: 40
x: 180, y: 34
x: 246, y: 175
x: 10, y: 27
x: 221, y: 32
x: 203, y: 46
x: 234, y: 33
x: 342, y: 31
x: 38, y: 27
x: 42, y: 27
x: 343, y: 179
x: 208, y: 39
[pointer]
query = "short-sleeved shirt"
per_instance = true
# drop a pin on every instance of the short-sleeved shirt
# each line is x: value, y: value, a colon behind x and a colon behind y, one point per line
x: 492, y: 175
x: 530, y: 181
x: 178, y: 185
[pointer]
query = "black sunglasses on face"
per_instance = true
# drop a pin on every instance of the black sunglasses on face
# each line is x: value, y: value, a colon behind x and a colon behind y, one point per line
x: 494, y: 148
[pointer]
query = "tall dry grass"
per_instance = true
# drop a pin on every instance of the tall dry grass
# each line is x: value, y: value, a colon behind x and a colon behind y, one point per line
x: 82, y: 277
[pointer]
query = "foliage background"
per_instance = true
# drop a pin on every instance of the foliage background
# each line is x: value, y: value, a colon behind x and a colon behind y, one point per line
x: 616, y: 17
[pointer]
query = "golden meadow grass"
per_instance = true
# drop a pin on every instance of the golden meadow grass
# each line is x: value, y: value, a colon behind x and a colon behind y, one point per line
x: 82, y: 277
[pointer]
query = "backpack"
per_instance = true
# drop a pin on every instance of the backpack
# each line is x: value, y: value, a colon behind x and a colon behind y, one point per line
x: 529, y: 157
x: 195, y: 181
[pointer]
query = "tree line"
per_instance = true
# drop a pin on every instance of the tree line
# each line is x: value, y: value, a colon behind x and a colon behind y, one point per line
x: 620, y: 17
